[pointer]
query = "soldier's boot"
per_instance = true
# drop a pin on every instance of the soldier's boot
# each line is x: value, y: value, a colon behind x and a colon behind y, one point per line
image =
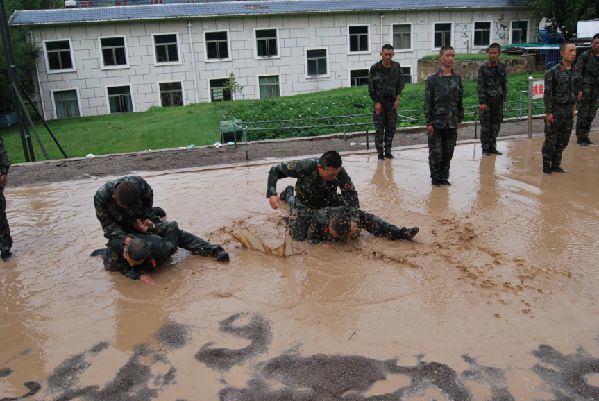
x: 582, y: 141
x: 445, y: 182
x: 436, y: 183
x: 589, y: 142
x: 220, y: 254
x: 403, y: 233
x: 381, y: 157
x: 546, y: 167
x: 6, y: 255
x: 286, y: 193
x: 486, y: 152
x: 388, y: 155
x: 555, y: 164
x: 495, y: 152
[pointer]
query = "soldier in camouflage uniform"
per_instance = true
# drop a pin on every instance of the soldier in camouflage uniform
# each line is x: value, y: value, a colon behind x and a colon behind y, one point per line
x: 562, y: 88
x: 141, y: 254
x: 334, y: 223
x: 588, y: 64
x: 316, y: 187
x: 5, y: 238
x: 385, y: 83
x: 444, y: 112
x: 492, y: 82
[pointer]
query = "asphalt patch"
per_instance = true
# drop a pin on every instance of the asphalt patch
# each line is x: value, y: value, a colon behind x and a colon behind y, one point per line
x: 173, y: 335
x: 33, y: 388
x: 491, y: 376
x: 5, y: 372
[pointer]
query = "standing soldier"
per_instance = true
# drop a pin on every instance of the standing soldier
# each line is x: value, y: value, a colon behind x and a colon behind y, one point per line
x: 385, y: 83
x: 5, y: 239
x: 588, y: 64
x: 562, y: 88
x: 492, y: 81
x: 444, y: 112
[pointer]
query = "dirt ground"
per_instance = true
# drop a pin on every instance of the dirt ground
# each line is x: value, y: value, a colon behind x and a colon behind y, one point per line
x: 203, y: 156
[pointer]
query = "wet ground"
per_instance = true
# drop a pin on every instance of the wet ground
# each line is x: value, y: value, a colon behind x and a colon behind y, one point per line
x: 495, y: 299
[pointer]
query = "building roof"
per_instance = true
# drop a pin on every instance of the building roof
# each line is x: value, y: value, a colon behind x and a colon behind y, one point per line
x: 240, y: 8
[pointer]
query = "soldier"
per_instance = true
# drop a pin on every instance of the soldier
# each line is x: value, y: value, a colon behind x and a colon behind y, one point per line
x: 385, y: 83
x: 5, y: 238
x: 588, y: 64
x: 444, y: 112
x: 334, y: 223
x: 562, y: 88
x: 138, y: 255
x: 316, y: 187
x: 492, y: 81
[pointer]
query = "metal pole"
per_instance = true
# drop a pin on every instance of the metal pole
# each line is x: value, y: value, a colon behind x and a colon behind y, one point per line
x: 475, y: 124
x: 530, y: 107
x: 31, y: 123
x: 245, y: 138
x: 367, y: 138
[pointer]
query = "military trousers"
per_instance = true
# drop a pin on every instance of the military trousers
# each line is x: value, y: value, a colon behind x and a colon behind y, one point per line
x: 169, y: 230
x: 490, y: 122
x: 301, y: 217
x: 440, y: 151
x: 386, y: 124
x: 5, y: 238
x: 557, y: 135
x: 374, y: 224
x: 587, y: 109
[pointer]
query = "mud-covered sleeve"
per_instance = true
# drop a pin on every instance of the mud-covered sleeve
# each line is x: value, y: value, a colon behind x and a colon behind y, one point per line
x: 111, y: 228
x: 282, y: 170
x: 118, y: 262
x: 482, y: 93
x: 4, y: 159
x: 582, y: 62
x: 400, y: 82
x: 460, y: 102
x: 146, y: 195
x: 349, y: 193
x: 371, y: 86
x: 429, y: 95
x: 319, y: 223
x: 548, y: 93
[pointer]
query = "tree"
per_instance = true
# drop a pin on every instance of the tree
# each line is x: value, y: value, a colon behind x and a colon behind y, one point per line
x: 26, y: 53
x: 563, y: 15
x: 234, y: 86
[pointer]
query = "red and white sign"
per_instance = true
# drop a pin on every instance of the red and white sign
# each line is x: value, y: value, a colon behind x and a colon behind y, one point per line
x: 538, y: 89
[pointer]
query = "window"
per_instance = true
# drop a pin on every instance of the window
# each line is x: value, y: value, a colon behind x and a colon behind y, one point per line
x: 171, y: 94
x: 317, y: 62
x: 519, y: 32
x: 402, y: 37
x: 119, y: 99
x: 58, y: 56
x: 358, y: 39
x: 66, y: 103
x: 217, y: 45
x: 266, y: 43
x: 482, y: 33
x: 219, y: 90
x: 269, y: 86
x: 114, y: 52
x: 406, y: 72
x: 358, y: 77
x: 442, y: 34
x: 166, y: 48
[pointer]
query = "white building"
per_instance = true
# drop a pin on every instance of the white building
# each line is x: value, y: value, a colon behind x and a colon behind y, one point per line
x: 128, y: 58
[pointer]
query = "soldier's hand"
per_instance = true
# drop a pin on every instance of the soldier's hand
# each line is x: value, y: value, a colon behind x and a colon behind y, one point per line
x: 430, y: 129
x: 459, y: 126
x: 3, y: 181
x: 377, y: 108
x: 329, y: 246
x: 549, y: 119
x: 483, y: 108
x: 579, y: 96
x: 353, y: 230
x: 147, y: 279
x: 274, y: 201
x: 396, y: 105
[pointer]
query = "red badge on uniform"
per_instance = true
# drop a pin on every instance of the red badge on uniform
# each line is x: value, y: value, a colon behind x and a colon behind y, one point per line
x: 347, y: 186
x: 153, y: 263
x: 489, y: 64
x: 561, y: 68
x: 326, y: 230
x: 440, y: 75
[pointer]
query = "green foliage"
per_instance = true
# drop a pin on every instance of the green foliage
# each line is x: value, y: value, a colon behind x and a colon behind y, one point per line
x: 563, y: 15
x: 234, y: 86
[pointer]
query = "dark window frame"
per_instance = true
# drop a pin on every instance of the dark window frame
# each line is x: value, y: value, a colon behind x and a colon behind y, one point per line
x: 165, y: 49
x: 481, y: 34
x: 114, y: 49
x: 394, y: 34
x: 445, y: 36
x: 174, y: 96
x: 358, y: 80
x: 218, y: 43
x: 271, y: 49
x: 357, y: 40
x: 316, y: 61
x: 122, y: 102
x: 58, y: 56
x: 522, y: 35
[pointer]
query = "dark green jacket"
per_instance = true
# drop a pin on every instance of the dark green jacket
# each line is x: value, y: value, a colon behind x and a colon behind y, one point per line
x: 385, y: 82
x: 588, y: 64
x: 561, y: 86
x: 443, y: 100
x: 310, y: 191
x: 492, y: 81
x: 319, y: 230
x: 118, y: 222
x: 4, y: 159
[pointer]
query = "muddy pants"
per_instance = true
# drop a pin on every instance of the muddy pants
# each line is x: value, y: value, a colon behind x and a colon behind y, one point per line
x: 490, y: 122
x: 5, y: 238
x: 557, y: 135
x: 440, y: 152
x: 301, y: 217
x: 386, y: 124
x: 587, y: 109
x: 169, y: 231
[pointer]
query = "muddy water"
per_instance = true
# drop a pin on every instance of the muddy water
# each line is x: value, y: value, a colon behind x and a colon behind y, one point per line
x: 495, y: 298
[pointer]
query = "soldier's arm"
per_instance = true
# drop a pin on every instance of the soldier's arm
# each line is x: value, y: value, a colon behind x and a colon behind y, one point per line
x: 282, y: 170
x: 482, y: 93
x: 429, y: 95
x: 548, y: 92
x: 4, y: 165
x: 582, y: 62
x: 349, y: 193
x: 371, y: 88
x: 400, y: 81
x: 504, y: 83
x: 147, y: 199
x: 111, y: 228
x: 460, y: 102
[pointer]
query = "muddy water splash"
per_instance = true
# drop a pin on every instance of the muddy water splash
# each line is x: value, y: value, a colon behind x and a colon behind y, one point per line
x: 494, y: 299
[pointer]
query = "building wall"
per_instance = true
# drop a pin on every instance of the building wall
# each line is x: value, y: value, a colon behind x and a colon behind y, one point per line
x: 296, y: 34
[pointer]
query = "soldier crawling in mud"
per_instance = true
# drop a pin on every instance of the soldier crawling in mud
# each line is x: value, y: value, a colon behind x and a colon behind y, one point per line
x: 5, y: 238
x: 492, y: 82
x: 588, y: 64
x: 562, y: 88
x: 385, y: 83
x: 316, y: 191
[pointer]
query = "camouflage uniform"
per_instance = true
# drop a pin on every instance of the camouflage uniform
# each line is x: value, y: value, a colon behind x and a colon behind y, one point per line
x: 492, y: 81
x: 5, y: 238
x: 384, y: 85
x: 561, y: 91
x: 116, y: 221
x: 443, y: 110
x: 588, y: 64
x: 312, y: 193
x: 319, y: 228
x: 164, y: 239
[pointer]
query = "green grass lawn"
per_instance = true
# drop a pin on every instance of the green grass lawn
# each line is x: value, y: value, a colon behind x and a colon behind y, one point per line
x: 198, y: 123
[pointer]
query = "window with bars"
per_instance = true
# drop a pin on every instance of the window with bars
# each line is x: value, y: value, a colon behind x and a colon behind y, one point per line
x: 221, y: 87
x: 402, y: 37
x: 171, y: 94
x: 519, y: 32
x: 317, y: 62
x: 166, y: 48
x: 66, y: 103
x: 358, y: 39
x: 119, y: 99
x: 59, y: 55
x: 482, y: 33
x: 358, y: 77
x: 266, y: 43
x: 406, y: 72
x: 114, y: 53
x: 442, y: 35
x: 217, y: 46
x: 269, y: 87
